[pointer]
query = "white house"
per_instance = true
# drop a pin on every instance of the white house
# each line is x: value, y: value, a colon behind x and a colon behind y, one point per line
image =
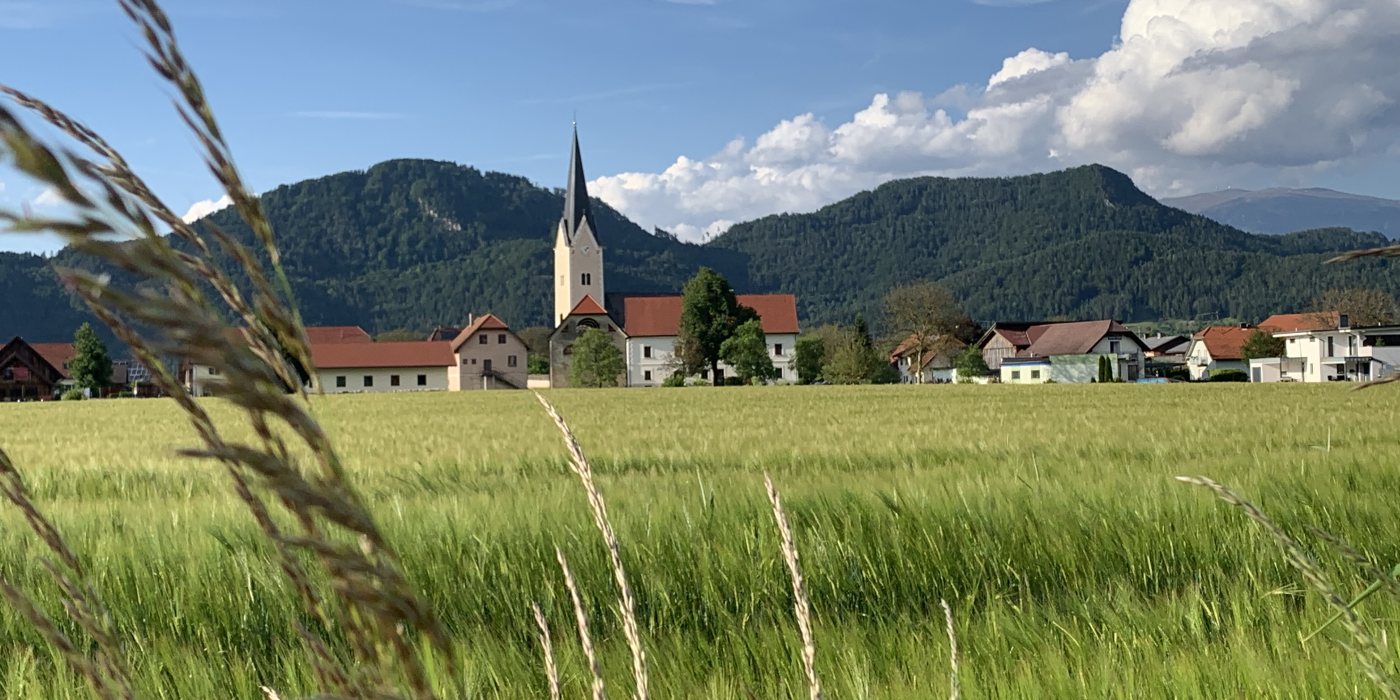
x: 1217, y: 349
x: 382, y: 367
x: 1316, y: 353
x: 651, y: 323
x: 938, y: 362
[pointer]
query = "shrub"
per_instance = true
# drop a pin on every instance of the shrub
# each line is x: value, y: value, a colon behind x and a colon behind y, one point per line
x: 74, y: 394
x: 1229, y: 375
x: 675, y: 379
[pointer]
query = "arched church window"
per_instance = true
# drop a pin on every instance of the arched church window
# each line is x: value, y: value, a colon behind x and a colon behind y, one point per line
x: 587, y: 323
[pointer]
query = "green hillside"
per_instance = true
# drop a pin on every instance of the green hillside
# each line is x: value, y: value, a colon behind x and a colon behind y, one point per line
x: 415, y: 243
x: 1083, y: 242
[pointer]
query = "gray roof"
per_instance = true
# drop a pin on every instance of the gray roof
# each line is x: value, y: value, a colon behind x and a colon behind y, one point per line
x: 576, y: 209
x: 1156, y: 343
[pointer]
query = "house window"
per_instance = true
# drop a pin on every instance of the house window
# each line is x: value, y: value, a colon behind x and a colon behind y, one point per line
x: 213, y: 371
x: 369, y: 380
x: 778, y: 349
x: 705, y: 374
x: 646, y: 351
x: 340, y: 381
x: 393, y: 380
x: 1113, y: 346
x: 473, y: 360
x: 1035, y: 374
x: 1015, y: 374
x: 1331, y: 348
x: 511, y: 361
x: 482, y: 339
x: 779, y: 372
x: 587, y: 278
x: 422, y: 380
x: 587, y: 323
x: 1351, y: 345
x: 500, y: 338
x: 646, y: 375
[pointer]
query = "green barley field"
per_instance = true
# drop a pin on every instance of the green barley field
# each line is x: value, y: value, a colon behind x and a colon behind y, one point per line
x: 1047, y: 517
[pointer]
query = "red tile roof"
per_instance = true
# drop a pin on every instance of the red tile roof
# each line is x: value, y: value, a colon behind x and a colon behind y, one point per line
x: 484, y: 322
x: 337, y: 334
x: 379, y: 355
x: 1225, y: 342
x: 1058, y: 337
x: 660, y: 315
x: 56, y: 354
x: 1312, y: 321
x: 587, y: 307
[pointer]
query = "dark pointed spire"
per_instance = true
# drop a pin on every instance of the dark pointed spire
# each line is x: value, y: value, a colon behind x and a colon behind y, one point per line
x: 576, y: 208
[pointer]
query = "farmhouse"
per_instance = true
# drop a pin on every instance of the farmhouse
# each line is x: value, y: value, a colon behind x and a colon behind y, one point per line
x: 1217, y: 349
x: 1066, y: 352
x: 643, y: 326
x: 33, y: 370
x: 937, y: 362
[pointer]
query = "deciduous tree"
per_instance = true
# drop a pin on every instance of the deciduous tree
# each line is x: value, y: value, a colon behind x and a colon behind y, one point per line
x: 710, y: 313
x: 971, y: 364
x: 1261, y: 343
x: 809, y: 356
x: 1363, y: 306
x: 747, y: 352
x: 925, y: 317
x: 597, y: 362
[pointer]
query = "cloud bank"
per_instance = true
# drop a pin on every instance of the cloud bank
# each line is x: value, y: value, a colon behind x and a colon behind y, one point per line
x: 1196, y: 94
x: 205, y: 207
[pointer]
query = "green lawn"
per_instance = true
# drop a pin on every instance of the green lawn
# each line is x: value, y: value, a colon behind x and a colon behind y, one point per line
x: 1046, y: 516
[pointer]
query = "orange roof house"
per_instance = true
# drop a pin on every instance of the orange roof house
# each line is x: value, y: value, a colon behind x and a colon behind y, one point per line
x: 1225, y: 342
x: 1294, y: 323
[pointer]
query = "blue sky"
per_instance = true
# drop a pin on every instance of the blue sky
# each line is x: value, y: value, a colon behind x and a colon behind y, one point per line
x: 697, y: 113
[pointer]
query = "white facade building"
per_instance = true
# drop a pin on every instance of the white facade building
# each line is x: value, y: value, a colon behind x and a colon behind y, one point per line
x: 652, y: 322
x: 1330, y: 355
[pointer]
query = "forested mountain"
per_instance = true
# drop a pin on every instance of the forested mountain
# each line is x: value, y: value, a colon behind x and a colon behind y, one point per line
x: 405, y: 244
x: 1280, y: 210
x: 1083, y: 242
x: 414, y: 243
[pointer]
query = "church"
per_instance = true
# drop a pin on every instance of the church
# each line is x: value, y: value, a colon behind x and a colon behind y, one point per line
x: 643, y: 326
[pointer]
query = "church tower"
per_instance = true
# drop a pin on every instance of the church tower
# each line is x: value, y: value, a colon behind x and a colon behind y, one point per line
x: 578, y: 259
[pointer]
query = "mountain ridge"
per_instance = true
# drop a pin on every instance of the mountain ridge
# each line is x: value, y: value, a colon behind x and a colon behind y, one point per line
x: 412, y: 243
x: 1279, y: 210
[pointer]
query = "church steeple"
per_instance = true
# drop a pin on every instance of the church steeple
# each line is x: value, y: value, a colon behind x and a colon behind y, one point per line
x: 576, y: 209
x: 578, y: 258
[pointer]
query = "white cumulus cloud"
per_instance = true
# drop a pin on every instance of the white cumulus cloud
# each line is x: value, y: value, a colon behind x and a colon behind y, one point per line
x: 1195, y: 94
x: 205, y: 207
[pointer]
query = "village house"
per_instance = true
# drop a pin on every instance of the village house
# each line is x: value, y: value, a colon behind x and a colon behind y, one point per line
x: 1065, y: 352
x: 644, y: 327
x: 486, y: 354
x: 1325, y: 347
x: 40, y: 371
x: 1217, y: 349
x: 938, y: 361
x: 651, y: 323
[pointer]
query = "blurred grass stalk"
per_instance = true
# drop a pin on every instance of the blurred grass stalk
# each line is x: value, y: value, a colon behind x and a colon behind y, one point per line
x: 170, y: 321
